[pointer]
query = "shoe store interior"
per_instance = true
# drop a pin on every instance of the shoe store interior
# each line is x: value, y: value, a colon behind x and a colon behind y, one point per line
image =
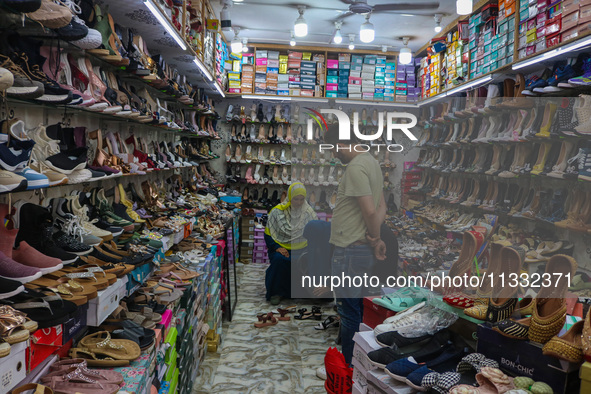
x: 269, y: 196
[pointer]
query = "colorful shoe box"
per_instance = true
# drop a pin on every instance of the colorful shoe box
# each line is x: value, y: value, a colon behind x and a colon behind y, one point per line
x: 13, y: 367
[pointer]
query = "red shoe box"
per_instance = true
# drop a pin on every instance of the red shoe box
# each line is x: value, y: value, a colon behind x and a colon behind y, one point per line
x: 374, y: 314
x: 44, y: 342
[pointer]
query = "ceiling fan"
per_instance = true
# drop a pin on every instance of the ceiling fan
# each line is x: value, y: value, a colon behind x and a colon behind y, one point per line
x: 361, y: 7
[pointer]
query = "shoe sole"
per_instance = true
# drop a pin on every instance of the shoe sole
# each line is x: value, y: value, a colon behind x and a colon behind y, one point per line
x: 9, y: 167
x: 25, y: 92
x: 18, y: 290
x: 20, y: 187
x: 40, y: 184
x: 54, y: 98
x: 66, y: 262
x: 107, y: 237
x: 62, y: 171
x: 396, y: 377
x: 25, y: 279
x: 45, y: 271
x: 63, y: 181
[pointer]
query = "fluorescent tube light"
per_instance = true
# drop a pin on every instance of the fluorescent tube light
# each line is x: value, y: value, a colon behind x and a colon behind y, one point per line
x: 164, y: 22
x: 204, y: 70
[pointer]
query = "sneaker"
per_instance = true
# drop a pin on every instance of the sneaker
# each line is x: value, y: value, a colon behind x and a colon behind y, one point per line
x: 93, y: 214
x: 81, y: 212
x: 52, y: 15
x: 73, y: 31
x: 10, y: 269
x: 27, y: 255
x: 22, y: 86
x: 35, y: 225
x: 6, y: 79
x: 15, y: 154
x: 10, y: 288
x: 34, y: 179
x: 54, y: 178
x: 67, y: 243
x: 585, y: 79
x: 106, y: 212
x: 10, y: 182
x: 80, y: 176
x: 68, y: 162
x: 67, y: 222
x: 321, y: 372
x: 585, y: 164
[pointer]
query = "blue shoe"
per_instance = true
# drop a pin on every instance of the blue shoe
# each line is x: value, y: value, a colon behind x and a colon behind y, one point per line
x: 584, y: 79
x: 15, y: 154
x: 561, y: 74
x: 402, y: 369
x: 34, y: 179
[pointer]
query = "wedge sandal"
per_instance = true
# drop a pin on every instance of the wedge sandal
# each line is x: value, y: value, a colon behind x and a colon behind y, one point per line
x: 96, y: 360
x: 100, y: 343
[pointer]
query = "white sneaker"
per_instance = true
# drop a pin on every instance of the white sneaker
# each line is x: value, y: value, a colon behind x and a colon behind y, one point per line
x: 79, y: 176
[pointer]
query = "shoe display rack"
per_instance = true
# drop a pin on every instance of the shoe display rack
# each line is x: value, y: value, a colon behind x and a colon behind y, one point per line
x: 274, y: 153
x: 112, y: 272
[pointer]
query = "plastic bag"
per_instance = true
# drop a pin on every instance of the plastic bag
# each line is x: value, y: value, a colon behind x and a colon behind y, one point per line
x: 339, y: 377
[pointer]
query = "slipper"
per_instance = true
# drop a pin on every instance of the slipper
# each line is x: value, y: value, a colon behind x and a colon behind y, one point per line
x: 12, y: 329
x: 73, y: 381
x: 100, y: 343
x: 402, y: 299
x: 46, y: 310
x: 96, y: 360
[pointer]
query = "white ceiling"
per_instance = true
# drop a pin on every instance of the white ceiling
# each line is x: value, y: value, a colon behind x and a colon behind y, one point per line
x: 271, y: 21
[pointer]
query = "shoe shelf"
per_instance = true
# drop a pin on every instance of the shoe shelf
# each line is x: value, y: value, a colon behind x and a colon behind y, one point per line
x: 67, y: 109
x: 289, y: 164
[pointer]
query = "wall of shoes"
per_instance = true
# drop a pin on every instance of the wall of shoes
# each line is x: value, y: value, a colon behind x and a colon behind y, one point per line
x: 109, y: 249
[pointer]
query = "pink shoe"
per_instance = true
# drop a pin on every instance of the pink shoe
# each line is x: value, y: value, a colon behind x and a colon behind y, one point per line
x: 103, y: 376
x: 29, y: 256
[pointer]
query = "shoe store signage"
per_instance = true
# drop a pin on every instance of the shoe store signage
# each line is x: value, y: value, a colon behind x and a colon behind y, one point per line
x: 401, y: 121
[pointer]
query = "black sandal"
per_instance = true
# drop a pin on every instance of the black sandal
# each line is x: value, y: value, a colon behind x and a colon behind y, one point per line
x: 303, y: 314
x: 329, y: 322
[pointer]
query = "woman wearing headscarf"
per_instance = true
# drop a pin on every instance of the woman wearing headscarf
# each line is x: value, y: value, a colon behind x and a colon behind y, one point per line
x: 284, y: 236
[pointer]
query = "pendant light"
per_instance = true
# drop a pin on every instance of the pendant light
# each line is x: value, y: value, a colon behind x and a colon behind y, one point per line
x: 367, y: 32
x: 405, y: 54
x: 338, y: 38
x: 236, y: 44
x: 351, y: 41
x: 293, y: 41
x: 244, y: 45
x: 438, y: 27
x: 225, y: 21
x: 464, y: 7
x: 301, y: 27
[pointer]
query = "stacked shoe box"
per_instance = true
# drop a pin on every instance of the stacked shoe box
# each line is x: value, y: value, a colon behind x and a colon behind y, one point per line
x: 294, y: 63
x: 272, y: 72
x: 234, y: 78
x: 503, y: 44
x: 401, y: 87
x: 576, y: 19
x: 332, y: 77
x: 364, y: 343
x: 260, y: 79
x: 390, y: 82
x: 247, y: 237
x: 380, y: 78
x: 368, y: 84
x: 532, y: 28
x: 220, y: 59
x: 429, y: 76
x: 345, y: 68
x: 283, y: 77
x: 320, y: 60
x: 307, y: 75
x: 260, y: 255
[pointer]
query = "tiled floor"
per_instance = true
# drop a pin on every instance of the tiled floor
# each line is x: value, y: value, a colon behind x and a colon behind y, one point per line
x: 277, y: 359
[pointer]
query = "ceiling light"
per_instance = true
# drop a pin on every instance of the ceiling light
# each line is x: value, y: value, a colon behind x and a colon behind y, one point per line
x: 244, y: 45
x: 225, y: 20
x: 351, y: 41
x: 220, y: 91
x: 204, y: 70
x: 384, y: 48
x: 166, y: 24
x: 405, y: 54
x: 236, y: 43
x: 464, y: 7
x: 338, y: 38
x: 293, y: 41
x: 367, y: 32
x: 301, y: 27
x: 438, y: 23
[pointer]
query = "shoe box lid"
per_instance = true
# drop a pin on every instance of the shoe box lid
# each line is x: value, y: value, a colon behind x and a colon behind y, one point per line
x: 384, y: 383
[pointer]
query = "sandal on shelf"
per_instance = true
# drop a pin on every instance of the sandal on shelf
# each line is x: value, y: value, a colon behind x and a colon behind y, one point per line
x: 45, y: 310
x: 12, y: 325
x: 96, y: 360
x: 132, y: 331
x: 73, y: 380
x: 329, y: 322
x: 266, y: 321
x: 104, y: 376
x: 100, y: 343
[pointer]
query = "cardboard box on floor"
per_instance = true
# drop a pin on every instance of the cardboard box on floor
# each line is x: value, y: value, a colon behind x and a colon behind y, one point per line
x: 524, y: 358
